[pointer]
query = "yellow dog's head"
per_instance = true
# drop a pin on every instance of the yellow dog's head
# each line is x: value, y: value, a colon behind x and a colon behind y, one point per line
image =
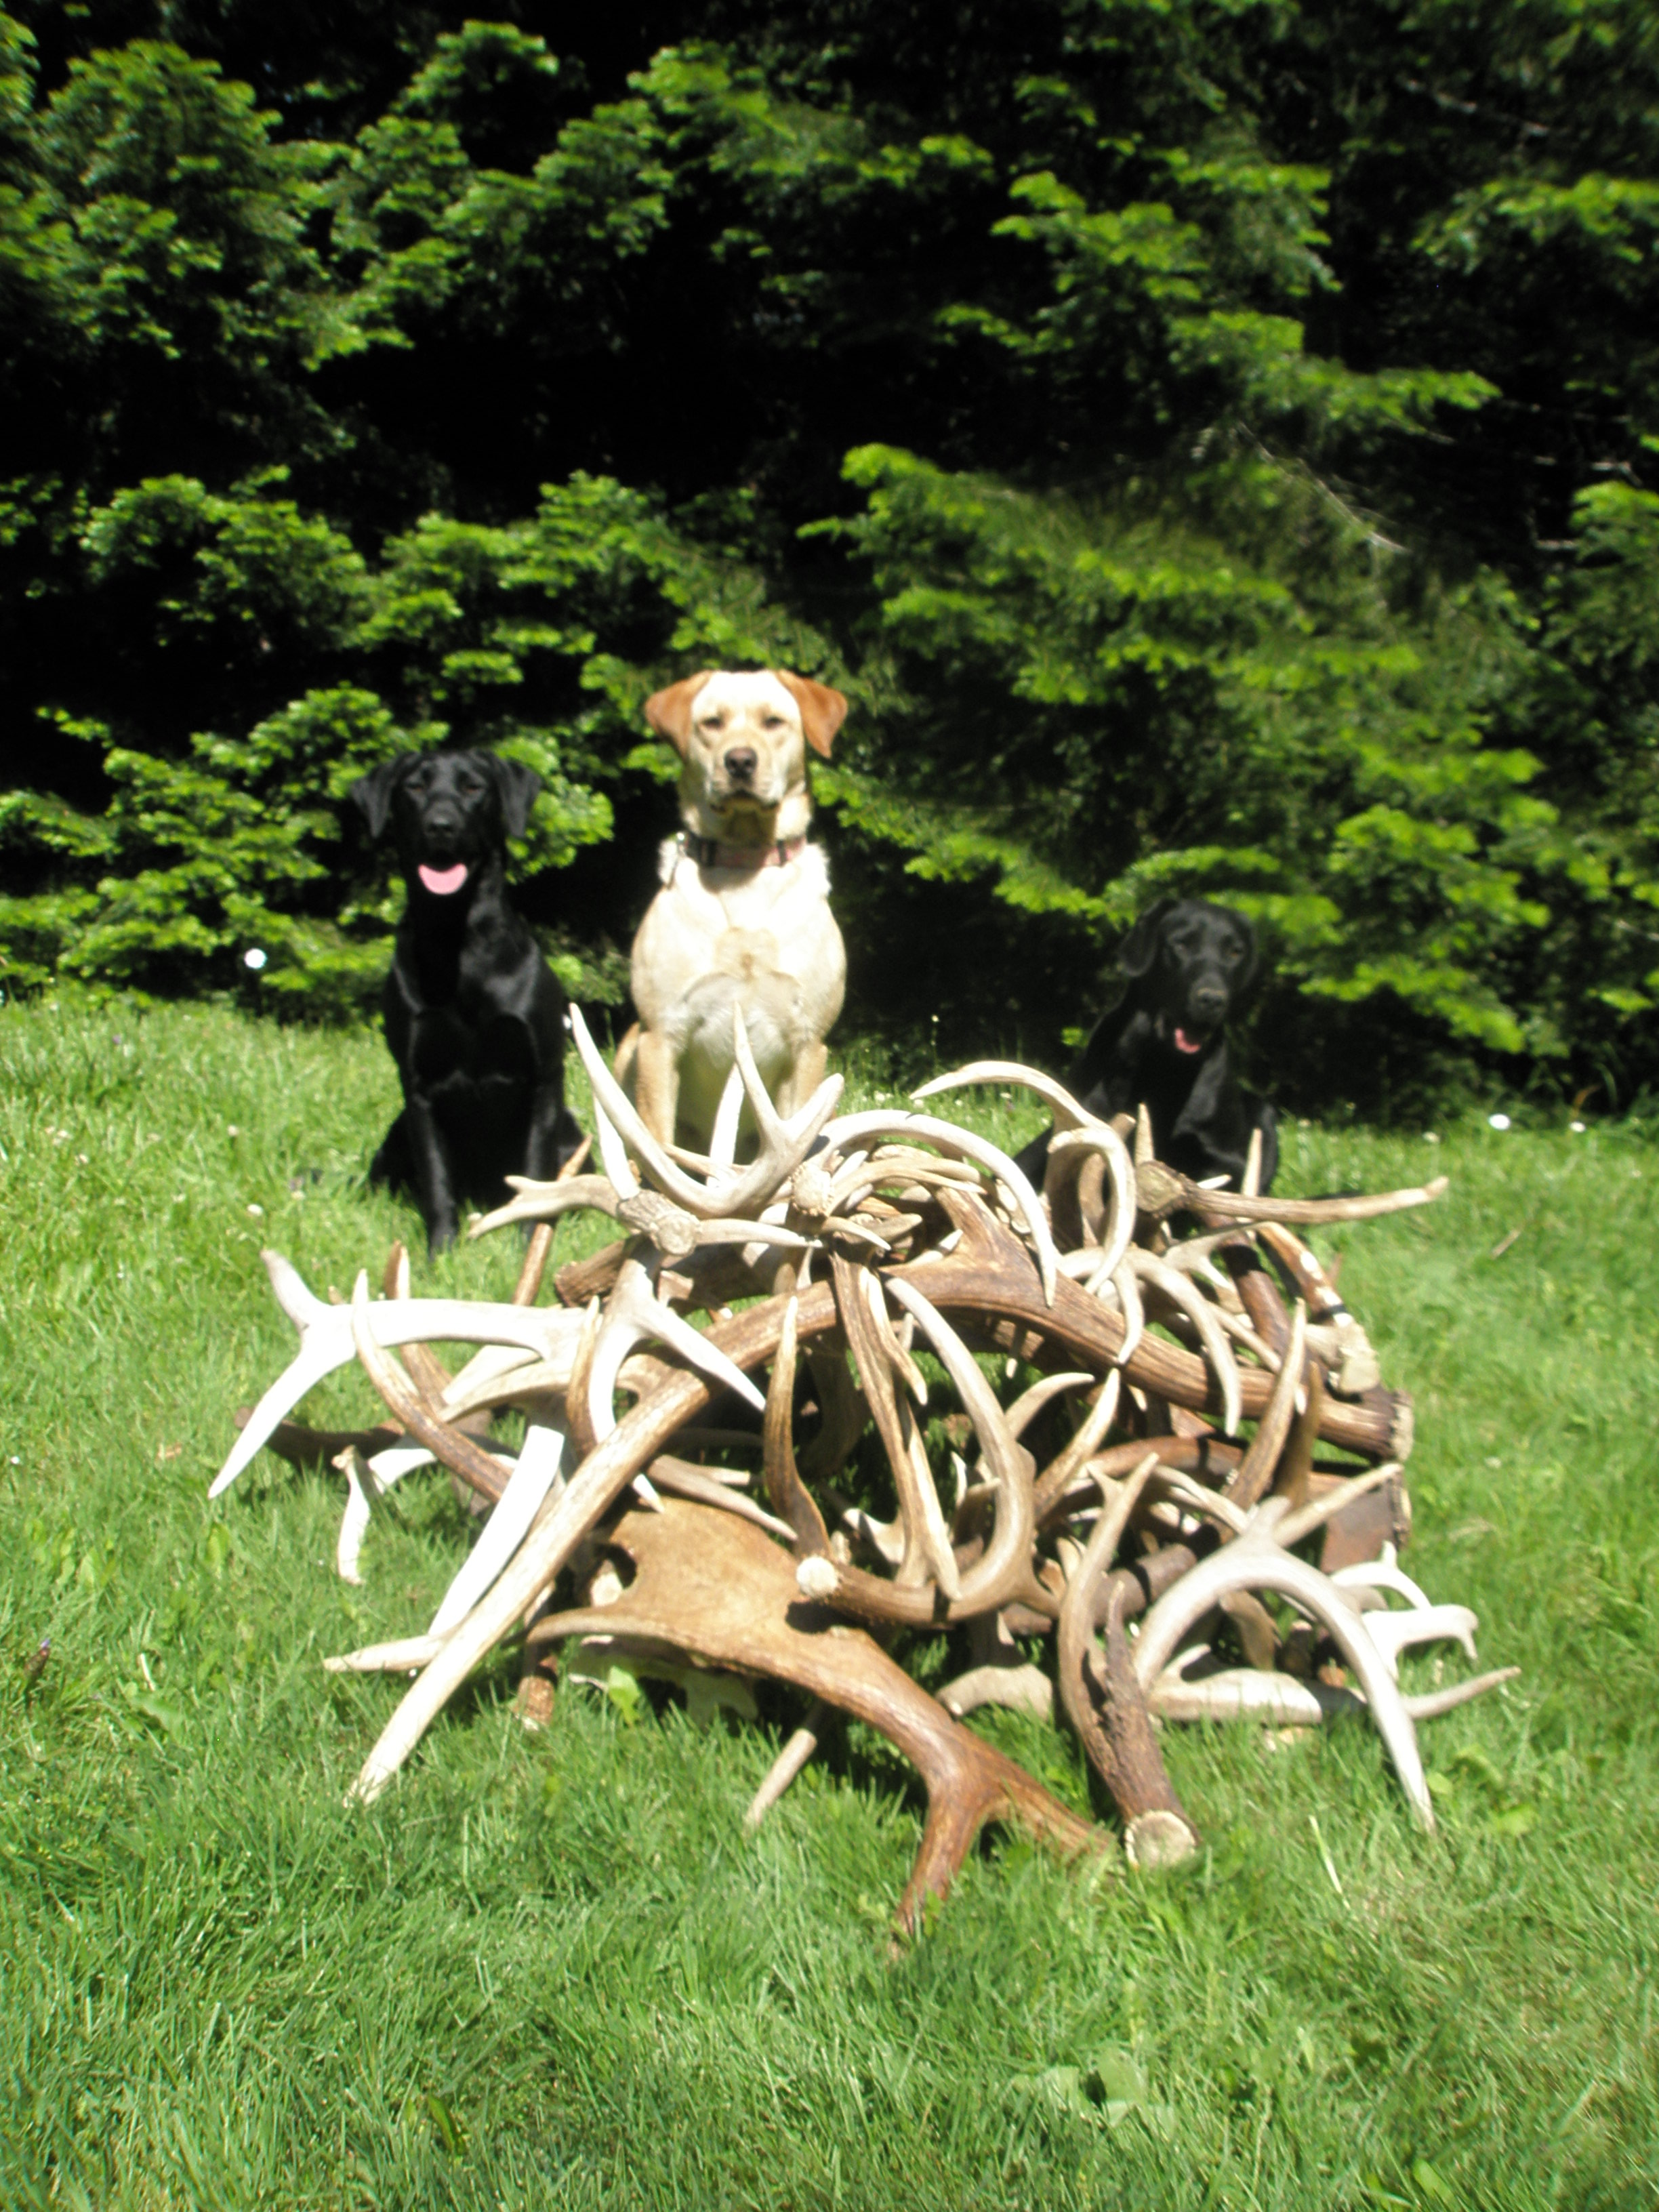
x: 742, y: 735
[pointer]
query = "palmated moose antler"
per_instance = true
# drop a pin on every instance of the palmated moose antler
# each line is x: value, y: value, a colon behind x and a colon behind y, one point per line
x: 709, y: 1585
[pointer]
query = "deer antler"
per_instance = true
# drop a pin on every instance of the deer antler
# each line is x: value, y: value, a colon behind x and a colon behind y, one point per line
x: 855, y: 1128
x: 784, y: 1144
x: 1163, y: 1190
x: 1254, y: 1561
x: 326, y: 1343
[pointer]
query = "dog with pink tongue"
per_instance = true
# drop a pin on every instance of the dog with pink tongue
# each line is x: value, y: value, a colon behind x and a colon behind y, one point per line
x: 474, y: 1016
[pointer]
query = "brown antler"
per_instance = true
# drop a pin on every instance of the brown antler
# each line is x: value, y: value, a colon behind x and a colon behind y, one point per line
x: 711, y: 1585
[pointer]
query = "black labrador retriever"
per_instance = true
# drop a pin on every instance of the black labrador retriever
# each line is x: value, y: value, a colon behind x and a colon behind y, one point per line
x: 1189, y: 965
x: 474, y: 1016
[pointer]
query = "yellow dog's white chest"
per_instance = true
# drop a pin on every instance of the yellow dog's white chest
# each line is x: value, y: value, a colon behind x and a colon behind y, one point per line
x: 763, y: 936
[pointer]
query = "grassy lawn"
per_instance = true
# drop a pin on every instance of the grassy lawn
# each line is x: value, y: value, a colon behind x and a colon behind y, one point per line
x: 552, y: 1969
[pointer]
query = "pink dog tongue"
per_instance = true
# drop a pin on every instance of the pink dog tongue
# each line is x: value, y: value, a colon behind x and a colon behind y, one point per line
x: 1183, y: 1043
x: 444, y: 880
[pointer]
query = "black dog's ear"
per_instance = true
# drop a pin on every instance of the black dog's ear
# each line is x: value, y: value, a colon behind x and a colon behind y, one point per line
x: 372, y: 793
x: 1139, y: 948
x: 1246, y: 974
x: 516, y: 787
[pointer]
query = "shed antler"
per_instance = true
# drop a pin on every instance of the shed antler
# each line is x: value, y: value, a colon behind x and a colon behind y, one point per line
x: 711, y: 1585
x: 1137, y: 1352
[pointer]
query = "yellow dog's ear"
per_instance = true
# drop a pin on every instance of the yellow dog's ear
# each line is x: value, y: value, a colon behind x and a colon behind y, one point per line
x: 668, y: 712
x: 821, y: 710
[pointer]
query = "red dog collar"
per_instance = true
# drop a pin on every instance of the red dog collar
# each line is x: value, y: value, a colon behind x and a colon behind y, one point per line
x: 709, y: 853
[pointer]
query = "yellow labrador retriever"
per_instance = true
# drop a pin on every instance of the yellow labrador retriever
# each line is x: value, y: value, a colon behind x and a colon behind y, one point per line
x: 743, y: 918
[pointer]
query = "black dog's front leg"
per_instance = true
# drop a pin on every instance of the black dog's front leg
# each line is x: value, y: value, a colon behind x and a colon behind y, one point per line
x: 434, y: 1175
x: 554, y: 1135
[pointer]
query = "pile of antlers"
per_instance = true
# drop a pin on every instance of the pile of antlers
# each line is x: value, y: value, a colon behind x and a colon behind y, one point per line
x: 1115, y: 1487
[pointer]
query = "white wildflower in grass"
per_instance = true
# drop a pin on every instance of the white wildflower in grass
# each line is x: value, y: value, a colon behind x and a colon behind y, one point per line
x: 1498, y: 1120
x: 254, y: 957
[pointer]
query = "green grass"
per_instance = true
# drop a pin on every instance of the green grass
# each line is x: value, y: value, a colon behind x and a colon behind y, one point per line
x: 553, y: 1970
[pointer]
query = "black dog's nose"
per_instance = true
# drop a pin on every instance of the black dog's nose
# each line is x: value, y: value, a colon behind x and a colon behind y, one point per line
x: 740, y: 763
x: 1209, y: 1001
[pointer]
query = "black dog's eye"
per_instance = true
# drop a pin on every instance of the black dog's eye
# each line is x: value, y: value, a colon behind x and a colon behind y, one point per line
x: 1233, y: 954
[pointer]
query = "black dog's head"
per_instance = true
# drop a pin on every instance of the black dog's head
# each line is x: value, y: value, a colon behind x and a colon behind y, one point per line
x: 449, y: 812
x: 1189, y: 964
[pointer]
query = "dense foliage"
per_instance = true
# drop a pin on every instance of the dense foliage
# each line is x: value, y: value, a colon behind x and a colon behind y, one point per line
x: 1213, y: 442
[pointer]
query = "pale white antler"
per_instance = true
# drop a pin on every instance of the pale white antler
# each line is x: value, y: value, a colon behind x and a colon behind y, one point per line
x: 852, y: 1129
x: 1189, y: 1299
x: 533, y: 1476
x: 1254, y: 1561
x: 1067, y: 1113
x: 326, y: 1344
x: 784, y: 1144
x: 634, y: 1315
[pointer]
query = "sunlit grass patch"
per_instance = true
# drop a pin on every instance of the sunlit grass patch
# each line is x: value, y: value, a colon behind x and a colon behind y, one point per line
x: 553, y: 1969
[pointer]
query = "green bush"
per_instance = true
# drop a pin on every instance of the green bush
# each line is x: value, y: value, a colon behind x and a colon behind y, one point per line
x: 1214, y: 445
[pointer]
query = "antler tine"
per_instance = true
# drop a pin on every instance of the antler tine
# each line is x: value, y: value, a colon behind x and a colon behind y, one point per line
x: 789, y: 1497
x: 768, y: 1122
x: 387, y: 1658
x: 1256, y: 1470
x: 1067, y: 1113
x: 1432, y: 1704
x: 1248, y: 1693
x: 545, y: 1201
x: 618, y: 1166
x: 1118, y: 1738
x: 611, y: 1099
x: 1029, y: 1403
x: 1194, y: 1497
x: 786, y: 1765
x: 1219, y: 1206
x: 1105, y: 1143
x: 1121, y: 1280
x: 1063, y: 1469
x: 784, y: 1145
x: 462, y: 1454
x: 1395, y: 1632
x: 723, y: 1138
x: 634, y: 1315
x: 1249, y: 1183
x: 1189, y: 1300
x: 928, y: 1553
x: 899, y: 1355
x: 362, y: 1490
x: 1303, y: 1520
x: 1384, y: 1572
x: 1144, y: 1154
x: 1007, y: 1558
x: 534, y: 1474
